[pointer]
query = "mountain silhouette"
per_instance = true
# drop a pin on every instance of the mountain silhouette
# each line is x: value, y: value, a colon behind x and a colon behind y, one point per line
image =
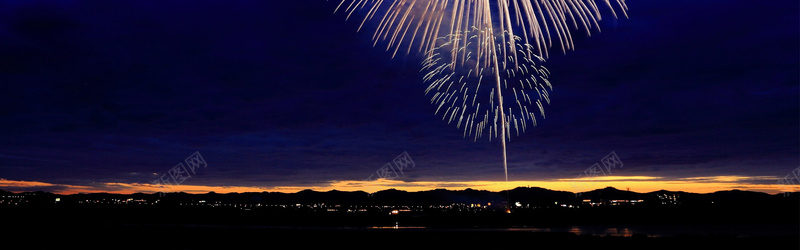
x: 529, y: 196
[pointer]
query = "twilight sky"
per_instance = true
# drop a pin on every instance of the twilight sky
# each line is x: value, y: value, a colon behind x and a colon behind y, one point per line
x: 106, y: 96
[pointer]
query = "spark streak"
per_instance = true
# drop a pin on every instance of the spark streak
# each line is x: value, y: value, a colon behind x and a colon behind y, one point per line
x: 420, y: 23
x: 465, y: 41
x: 526, y: 83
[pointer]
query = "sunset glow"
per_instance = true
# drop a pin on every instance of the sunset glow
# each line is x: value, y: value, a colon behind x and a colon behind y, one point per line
x: 640, y: 184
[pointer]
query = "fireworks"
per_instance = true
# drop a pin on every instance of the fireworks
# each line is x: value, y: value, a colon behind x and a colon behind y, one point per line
x: 541, y: 23
x: 468, y: 44
x: 465, y: 93
x: 479, y: 52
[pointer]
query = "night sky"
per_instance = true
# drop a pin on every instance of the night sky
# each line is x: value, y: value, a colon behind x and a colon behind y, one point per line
x: 106, y: 96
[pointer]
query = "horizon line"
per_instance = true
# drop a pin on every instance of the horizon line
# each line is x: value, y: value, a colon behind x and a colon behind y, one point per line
x: 639, y: 185
x: 389, y: 189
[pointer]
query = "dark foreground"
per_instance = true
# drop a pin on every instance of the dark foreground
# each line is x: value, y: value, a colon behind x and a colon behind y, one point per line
x: 212, y: 229
x: 117, y: 236
x: 764, y: 222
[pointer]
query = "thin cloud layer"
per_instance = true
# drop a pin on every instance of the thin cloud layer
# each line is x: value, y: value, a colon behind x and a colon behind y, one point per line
x: 287, y: 95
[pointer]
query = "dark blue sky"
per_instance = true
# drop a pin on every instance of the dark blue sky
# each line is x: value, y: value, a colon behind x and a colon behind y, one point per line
x: 276, y: 93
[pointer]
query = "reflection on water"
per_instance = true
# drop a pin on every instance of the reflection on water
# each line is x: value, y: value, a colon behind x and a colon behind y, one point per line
x: 612, y: 231
x: 630, y: 231
x: 672, y: 230
x: 596, y: 230
x: 582, y: 230
x: 578, y: 230
x: 397, y: 226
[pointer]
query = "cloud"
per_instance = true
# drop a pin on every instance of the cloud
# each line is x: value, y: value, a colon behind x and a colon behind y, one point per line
x: 640, y: 184
x: 732, y: 179
x: 613, y: 178
x: 24, y: 186
x: 99, y: 89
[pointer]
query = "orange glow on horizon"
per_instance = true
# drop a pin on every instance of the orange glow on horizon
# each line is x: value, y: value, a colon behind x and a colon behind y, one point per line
x: 640, y: 184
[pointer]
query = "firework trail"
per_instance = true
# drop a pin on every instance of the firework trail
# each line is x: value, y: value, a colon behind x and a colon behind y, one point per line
x: 420, y: 23
x: 470, y: 44
x: 465, y: 94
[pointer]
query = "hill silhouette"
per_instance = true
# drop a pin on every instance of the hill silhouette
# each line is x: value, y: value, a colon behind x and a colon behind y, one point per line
x: 522, y: 195
x: 442, y: 214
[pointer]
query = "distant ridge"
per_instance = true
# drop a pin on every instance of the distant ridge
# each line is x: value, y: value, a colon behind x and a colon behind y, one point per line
x: 524, y: 195
x: 438, y: 208
x: 517, y: 189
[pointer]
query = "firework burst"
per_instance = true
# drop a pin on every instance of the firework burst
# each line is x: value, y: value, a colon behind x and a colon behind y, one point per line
x: 465, y: 93
x: 478, y: 52
x: 420, y: 23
